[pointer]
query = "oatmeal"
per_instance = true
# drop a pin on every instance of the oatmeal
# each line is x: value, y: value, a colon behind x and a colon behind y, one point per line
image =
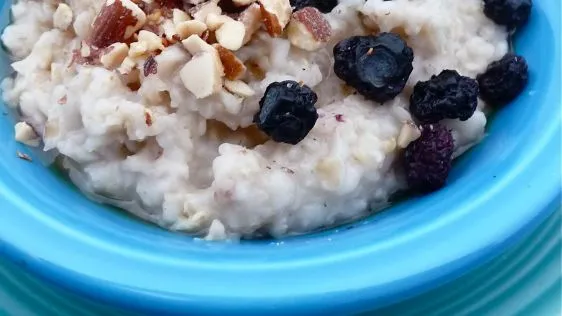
x: 260, y: 117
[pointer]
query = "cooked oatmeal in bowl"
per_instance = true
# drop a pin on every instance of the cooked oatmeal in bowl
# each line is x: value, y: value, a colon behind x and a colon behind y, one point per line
x: 240, y: 118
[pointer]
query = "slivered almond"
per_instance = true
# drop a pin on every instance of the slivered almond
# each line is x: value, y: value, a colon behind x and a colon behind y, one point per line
x: 275, y: 15
x: 233, y: 67
x: 117, y: 21
x: 309, y: 29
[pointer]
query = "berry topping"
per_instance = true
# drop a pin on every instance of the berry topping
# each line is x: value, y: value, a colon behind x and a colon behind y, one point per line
x: 427, y: 160
x: 324, y: 6
x: 448, y: 95
x: 377, y: 66
x: 287, y: 111
x: 504, y: 80
x: 511, y: 13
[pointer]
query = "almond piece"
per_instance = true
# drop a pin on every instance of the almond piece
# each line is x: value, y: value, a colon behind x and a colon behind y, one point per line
x: 239, y: 87
x: 179, y: 16
x: 138, y: 49
x: 195, y: 44
x: 117, y: 21
x: 215, y: 21
x: 201, y: 11
x: 201, y: 76
x: 188, y: 28
x: 127, y: 66
x: 251, y: 18
x: 408, y: 133
x: 243, y: 3
x: 62, y: 18
x: 231, y: 35
x: 234, y: 68
x: 153, y: 41
x: 275, y: 15
x: 114, y: 55
x: 309, y: 29
x: 25, y: 134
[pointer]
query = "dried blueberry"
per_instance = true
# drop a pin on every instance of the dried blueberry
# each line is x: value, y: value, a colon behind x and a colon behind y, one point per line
x: 504, y: 80
x: 511, y: 13
x: 377, y: 66
x: 324, y: 6
x: 287, y: 111
x: 427, y: 160
x: 448, y: 95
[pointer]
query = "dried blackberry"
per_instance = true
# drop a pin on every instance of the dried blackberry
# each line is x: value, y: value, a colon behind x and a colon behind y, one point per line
x: 377, y: 66
x: 287, y: 111
x: 504, y: 80
x: 324, y: 6
x: 427, y: 160
x: 511, y: 13
x: 448, y: 95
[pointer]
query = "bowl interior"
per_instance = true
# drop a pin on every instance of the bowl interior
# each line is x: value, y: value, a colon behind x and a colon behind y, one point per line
x: 493, y: 191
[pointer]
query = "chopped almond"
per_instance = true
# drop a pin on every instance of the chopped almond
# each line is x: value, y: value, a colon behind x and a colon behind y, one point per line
x: 201, y: 75
x: 215, y: 21
x: 231, y: 35
x: 233, y: 67
x: 309, y: 29
x: 179, y: 16
x: 117, y: 21
x: 275, y: 15
x: 239, y: 87
x: 62, y: 18
x: 153, y: 41
x: 408, y: 133
x: 25, y: 134
x: 243, y: 3
x: 187, y: 28
x: 201, y: 11
x: 251, y: 18
x: 114, y: 55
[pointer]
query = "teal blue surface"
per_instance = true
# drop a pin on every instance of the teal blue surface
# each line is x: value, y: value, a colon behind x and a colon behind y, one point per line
x: 525, y: 281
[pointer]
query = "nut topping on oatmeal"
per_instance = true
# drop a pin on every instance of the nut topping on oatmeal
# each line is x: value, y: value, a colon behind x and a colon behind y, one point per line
x: 114, y: 55
x: 251, y: 18
x: 187, y: 28
x: 309, y: 29
x: 239, y: 87
x: 408, y: 133
x: 25, y: 134
x: 243, y: 3
x: 231, y: 35
x: 179, y: 16
x: 63, y: 16
x: 153, y: 41
x: 117, y: 21
x: 201, y: 11
x: 214, y: 21
x: 202, y: 75
x: 233, y: 67
x: 275, y: 15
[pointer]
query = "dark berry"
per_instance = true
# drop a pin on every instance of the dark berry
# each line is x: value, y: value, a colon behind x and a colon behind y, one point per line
x: 504, y: 80
x: 324, y: 6
x: 511, y: 13
x: 287, y: 111
x: 427, y: 160
x: 377, y: 66
x: 448, y: 95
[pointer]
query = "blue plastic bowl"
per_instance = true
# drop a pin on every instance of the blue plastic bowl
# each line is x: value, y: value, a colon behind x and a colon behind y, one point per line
x: 497, y: 192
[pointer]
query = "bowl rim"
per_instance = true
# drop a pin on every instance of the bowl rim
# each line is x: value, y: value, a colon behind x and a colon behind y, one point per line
x: 281, y: 298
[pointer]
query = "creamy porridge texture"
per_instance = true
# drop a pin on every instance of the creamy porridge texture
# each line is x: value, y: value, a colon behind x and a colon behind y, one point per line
x: 152, y: 104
